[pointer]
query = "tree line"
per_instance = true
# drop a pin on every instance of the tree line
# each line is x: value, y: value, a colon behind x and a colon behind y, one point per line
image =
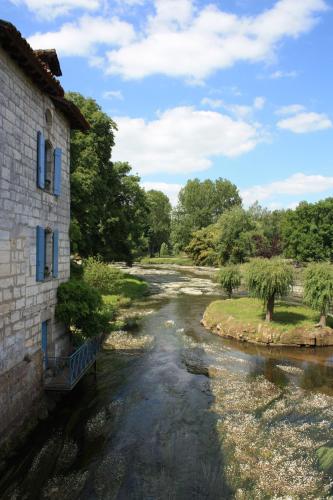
x: 218, y: 230
x: 114, y: 218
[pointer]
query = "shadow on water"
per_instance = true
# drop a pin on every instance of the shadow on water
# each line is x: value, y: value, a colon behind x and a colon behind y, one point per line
x: 143, y: 431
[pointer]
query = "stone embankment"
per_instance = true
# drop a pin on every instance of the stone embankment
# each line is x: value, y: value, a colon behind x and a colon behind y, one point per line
x: 227, y: 326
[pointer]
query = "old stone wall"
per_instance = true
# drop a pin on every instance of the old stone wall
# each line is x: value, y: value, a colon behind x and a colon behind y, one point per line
x: 24, y: 302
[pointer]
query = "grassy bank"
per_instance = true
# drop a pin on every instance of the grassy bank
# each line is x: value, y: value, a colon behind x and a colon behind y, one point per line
x: 180, y: 260
x: 243, y: 319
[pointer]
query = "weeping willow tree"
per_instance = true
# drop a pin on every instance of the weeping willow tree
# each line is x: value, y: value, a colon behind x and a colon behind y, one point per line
x: 318, y: 289
x: 229, y: 278
x: 268, y: 279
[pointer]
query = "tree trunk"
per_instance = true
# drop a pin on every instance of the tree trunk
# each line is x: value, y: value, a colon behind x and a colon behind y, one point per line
x: 270, y: 308
x: 322, y: 321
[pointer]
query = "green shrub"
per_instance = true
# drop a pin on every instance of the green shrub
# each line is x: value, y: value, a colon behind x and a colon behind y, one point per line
x: 79, y: 307
x: 101, y: 276
x: 229, y: 278
x: 164, y: 251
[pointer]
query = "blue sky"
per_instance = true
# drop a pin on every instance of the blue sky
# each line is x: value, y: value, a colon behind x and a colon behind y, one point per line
x: 240, y: 89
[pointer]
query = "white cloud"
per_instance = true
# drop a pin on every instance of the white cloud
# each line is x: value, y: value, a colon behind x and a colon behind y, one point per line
x: 50, y: 9
x: 171, y: 190
x: 81, y: 37
x: 303, y: 123
x: 283, y: 74
x: 290, y: 110
x: 179, y: 41
x: 259, y: 102
x: 113, y: 94
x: 238, y: 110
x: 182, y: 140
x: 295, y: 185
x: 212, y: 103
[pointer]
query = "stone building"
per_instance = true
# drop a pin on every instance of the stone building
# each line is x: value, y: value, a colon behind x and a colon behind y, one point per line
x: 35, y: 124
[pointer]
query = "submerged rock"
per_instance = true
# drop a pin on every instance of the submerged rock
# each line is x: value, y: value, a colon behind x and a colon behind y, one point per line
x: 122, y: 340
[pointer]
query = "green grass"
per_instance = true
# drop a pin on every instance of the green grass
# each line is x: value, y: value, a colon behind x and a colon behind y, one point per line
x: 286, y: 317
x: 180, y: 260
x: 130, y: 287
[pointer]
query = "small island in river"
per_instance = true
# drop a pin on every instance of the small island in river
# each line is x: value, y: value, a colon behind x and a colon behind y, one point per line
x: 243, y: 319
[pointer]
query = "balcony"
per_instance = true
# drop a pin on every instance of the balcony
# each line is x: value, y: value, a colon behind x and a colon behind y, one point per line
x: 63, y: 373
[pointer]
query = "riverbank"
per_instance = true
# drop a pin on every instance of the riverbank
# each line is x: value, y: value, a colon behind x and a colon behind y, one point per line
x: 242, y: 319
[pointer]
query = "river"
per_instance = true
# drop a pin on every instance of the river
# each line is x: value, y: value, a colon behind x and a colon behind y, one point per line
x: 185, y: 415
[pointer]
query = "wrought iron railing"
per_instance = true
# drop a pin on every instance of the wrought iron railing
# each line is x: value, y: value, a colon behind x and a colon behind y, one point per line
x: 64, y: 372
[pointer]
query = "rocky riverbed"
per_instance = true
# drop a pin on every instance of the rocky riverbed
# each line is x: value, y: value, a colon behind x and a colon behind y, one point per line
x: 178, y: 413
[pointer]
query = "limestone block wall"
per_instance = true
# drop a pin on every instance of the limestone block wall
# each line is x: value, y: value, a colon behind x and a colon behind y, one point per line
x: 24, y: 302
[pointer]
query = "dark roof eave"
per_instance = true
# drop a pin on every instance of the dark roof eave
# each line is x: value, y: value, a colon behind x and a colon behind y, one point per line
x: 21, y: 52
x: 71, y: 111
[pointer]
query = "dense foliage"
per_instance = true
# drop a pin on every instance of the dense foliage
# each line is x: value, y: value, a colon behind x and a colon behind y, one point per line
x: 235, y: 228
x: 307, y: 231
x: 202, y: 248
x: 108, y: 206
x: 109, y: 280
x: 200, y: 203
x: 158, y: 220
x: 100, y: 275
x: 318, y: 289
x: 268, y: 279
x: 81, y: 308
x: 229, y: 278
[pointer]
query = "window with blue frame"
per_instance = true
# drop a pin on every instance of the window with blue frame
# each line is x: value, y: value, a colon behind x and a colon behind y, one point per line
x: 47, y: 253
x: 48, y: 166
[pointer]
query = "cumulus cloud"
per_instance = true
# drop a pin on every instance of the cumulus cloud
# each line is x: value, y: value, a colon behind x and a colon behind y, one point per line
x: 180, y: 40
x: 171, y: 190
x: 297, y: 185
x: 304, y: 122
x: 182, y: 140
x: 81, y: 38
x: 50, y: 9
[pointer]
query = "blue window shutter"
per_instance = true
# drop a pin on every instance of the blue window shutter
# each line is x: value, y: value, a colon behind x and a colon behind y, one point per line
x: 57, y: 171
x: 40, y: 253
x: 40, y: 160
x: 55, y: 254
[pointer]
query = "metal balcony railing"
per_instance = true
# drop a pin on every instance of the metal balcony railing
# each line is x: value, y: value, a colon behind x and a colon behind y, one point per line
x: 63, y: 373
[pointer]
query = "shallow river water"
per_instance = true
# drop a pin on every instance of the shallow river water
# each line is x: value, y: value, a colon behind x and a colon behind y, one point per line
x: 178, y: 413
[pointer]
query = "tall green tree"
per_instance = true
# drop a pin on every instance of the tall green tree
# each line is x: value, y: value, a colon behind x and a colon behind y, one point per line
x: 200, y: 203
x: 235, y: 236
x: 307, y: 231
x: 158, y: 221
x: 266, y: 236
x: 108, y: 206
x: 318, y: 289
x: 268, y: 279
